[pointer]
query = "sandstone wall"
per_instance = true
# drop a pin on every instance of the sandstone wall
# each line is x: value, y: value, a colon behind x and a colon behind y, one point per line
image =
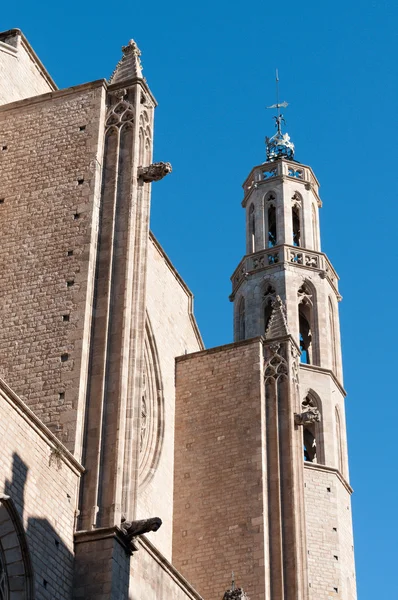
x: 49, y: 198
x: 331, y: 566
x: 153, y: 577
x: 42, y: 482
x: 219, y: 471
x: 21, y: 73
x: 169, y: 309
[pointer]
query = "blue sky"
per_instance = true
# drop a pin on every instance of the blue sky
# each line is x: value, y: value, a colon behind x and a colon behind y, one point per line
x: 211, y: 67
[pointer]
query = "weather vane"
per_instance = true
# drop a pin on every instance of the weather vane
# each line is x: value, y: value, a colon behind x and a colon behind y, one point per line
x: 279, y: 118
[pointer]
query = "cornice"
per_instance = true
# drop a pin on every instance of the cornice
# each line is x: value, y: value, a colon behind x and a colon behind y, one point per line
x: 331, y: 470
x: 48, y: 96
x: 324, y: 371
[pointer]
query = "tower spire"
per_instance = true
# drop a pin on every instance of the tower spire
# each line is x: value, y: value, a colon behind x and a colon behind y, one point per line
x: 129, y: 66
x: 279, y: 144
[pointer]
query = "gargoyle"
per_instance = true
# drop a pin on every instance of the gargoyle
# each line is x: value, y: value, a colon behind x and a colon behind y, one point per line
x: 312, y: 415
x: 154, y: 172
x: 134, y: 528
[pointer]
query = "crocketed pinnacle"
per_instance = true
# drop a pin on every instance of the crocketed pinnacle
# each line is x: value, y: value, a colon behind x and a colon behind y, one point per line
x: 277, y: 326
x: 129, y: 67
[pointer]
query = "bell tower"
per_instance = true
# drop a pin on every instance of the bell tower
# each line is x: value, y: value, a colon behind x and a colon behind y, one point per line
x: 263, y: 489
x: 284, y: 270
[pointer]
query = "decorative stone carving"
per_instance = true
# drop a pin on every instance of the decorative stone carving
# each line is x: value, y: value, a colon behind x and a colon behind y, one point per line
x: 276, y: 365
x: 133, y: 529
x: 236, y: 594
x: 312, y: 415
x: 154, y: 172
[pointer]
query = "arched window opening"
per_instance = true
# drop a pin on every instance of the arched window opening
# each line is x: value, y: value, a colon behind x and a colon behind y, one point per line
x: 252, y: 228
x: 332, y: 329
x: 3, y: 577
x: 314, y: 229
x: 272, y: 239
x: 268, y: 299
x: 296, y: 225
x: 312, y: 423
x: 241, y: 320
x: 306, y: 324
x: 339, y: 441
x: 309, y: 433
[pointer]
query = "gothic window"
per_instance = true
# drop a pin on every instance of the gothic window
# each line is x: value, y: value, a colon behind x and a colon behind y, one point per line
x: 296, y: 219
x: 271, y: 213
x: 339, y: 441
x: 16, y: 573
x: 268, y: 299
x: 314, y: 229
x: 306, y: 324
x: 252, y: 229
x: 152, y: 410
x: 3, y: 577
x: 241, y: 320
x: 332, y: 330
x: 312, y: 448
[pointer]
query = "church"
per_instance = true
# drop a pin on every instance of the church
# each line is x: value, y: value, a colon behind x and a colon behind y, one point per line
x: 135, y: 463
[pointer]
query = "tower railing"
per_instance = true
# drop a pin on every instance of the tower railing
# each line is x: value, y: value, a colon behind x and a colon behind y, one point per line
x: 272, y: 258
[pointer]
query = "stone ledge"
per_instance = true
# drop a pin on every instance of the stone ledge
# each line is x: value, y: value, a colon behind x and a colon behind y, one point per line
x: 325, y: 372
x: 144, y: 544
x: 29, y: 416
x: 332, y: 471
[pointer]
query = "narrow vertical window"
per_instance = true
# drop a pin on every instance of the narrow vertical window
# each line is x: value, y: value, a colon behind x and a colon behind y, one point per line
x: 309, y: 433
x: 306, y: 324
x: 314, y: 229
x: 271, y: 226
x: 332, y: 330
x: 252, y: 229
x: 296, y: 225
x: 339, y: 441
x: 241, y: 320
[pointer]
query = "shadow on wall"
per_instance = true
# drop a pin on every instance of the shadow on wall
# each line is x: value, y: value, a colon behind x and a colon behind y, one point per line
x: 51, y: 560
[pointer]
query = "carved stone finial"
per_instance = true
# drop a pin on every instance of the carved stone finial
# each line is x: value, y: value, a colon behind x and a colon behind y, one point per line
x: 154, y: 172
x: 277, y: 326
x: 134, y: 528
x: 312, y: 415
x: 130, y: 64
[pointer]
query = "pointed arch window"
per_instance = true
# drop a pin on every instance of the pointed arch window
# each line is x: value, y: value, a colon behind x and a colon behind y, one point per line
x: 332, y: 329
x: 268, y: 298
x: 271, y: 220
x: 241, y: 320
x: 307, y: 333
x: 314, y: 229
x: 3, y: 577
x: 296, y: 220
x: 252, y: 228
x: 312, y: 430
x: 339, y: 441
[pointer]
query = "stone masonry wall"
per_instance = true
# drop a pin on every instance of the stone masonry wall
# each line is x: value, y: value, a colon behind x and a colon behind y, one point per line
x: 154, y: 578
x: 329, y: 535
x: 21, y: 74
x: 219, y: 471
x: 169, y: 310
x: 48, y: 202
x: 43, y: 485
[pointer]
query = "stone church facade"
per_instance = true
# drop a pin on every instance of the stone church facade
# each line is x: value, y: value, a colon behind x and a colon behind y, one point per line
x: 135, y: 463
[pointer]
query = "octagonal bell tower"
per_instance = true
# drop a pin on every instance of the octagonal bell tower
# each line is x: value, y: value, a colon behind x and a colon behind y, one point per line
x: 286, y: 286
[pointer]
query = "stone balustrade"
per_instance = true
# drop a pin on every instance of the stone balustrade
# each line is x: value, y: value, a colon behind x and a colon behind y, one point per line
x: 272, y: 257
